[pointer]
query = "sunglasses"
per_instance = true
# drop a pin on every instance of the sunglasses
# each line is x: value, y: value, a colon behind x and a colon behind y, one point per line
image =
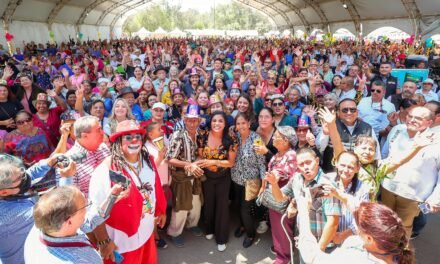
x: 349, y: 109
x: 376, y: 91
x: 277, y: 104
x: 132, y: 137
x: 21, y: 122
x: 174, y: 63
x: 252, y: 89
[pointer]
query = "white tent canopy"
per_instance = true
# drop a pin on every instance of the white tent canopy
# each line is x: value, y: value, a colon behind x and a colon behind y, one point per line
x: 177, y: 33
x: 142, y: 33
x: 34, y: 19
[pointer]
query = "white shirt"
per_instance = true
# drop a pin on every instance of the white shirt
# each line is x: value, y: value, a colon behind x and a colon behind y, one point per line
x: 349, y: 94
x: 100, y: 187
x: 430, y: 96
x: 418, y: 179
x: 375, y: 114
x: 135, y: 84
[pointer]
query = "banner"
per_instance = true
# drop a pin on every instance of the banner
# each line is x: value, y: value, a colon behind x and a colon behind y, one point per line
x: 415, y: 75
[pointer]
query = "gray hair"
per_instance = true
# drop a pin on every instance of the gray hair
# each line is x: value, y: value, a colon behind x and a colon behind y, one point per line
x: 8, y: 168
x: 84, y: 125
x: 54, y: 208
x: 333, y: 96
x: 289, y: 133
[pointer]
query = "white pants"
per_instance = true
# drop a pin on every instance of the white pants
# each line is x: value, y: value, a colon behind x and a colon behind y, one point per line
x: 185, y: 218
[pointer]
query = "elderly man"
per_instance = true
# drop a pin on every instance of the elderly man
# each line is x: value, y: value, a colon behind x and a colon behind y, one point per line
x: 186, y: 184
x: 16, y: 203
x: 325, y: 212
x: 409, y: 88
x: 348, y: 90
x: 89, y: 140
x: 294, y: 105
x: 58, y: 216
x: 236, y: 76
x: 375, y: 109
x: 416, y: 181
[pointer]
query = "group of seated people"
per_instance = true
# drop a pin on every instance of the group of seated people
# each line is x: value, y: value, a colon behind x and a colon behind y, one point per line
x: 109, y: 149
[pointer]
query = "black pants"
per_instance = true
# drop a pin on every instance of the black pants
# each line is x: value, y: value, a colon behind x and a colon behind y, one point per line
x: 246, y: 219
x: 216, y: 207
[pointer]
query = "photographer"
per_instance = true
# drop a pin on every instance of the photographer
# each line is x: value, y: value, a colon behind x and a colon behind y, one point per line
x: 58, y: 215
x: 16, y: 201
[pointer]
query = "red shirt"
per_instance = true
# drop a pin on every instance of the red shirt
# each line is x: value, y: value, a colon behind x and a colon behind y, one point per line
x: 52, y: 125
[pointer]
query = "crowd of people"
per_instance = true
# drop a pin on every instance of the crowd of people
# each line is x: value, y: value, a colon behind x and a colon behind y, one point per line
x: 109, y: 149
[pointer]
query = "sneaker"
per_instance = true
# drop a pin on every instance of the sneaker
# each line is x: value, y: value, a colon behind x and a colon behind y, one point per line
x: 196, y: 231
x: 178, y: 241
x: 209, y: 236
x: 239, y: 232
x: 221, y: 247
x: 248, y: 241
x: 272, y: 249
x: 160, y: 243
x: 262, y: 227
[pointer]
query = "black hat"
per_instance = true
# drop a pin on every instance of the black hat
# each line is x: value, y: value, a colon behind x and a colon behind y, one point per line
x: 127, y: 90
x: 160, y: 68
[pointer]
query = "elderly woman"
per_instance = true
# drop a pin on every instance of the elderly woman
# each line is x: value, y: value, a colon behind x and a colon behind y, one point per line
x: 27, y: 141
x: 246, y: 175
x: 331, y: 101
x: 49, y: 119
x: 283, y: 167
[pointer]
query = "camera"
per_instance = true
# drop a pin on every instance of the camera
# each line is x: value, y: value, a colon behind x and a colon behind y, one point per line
x: 76, y: 157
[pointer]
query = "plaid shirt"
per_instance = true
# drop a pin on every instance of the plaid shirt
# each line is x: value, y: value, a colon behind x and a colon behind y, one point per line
x: 321, y: 207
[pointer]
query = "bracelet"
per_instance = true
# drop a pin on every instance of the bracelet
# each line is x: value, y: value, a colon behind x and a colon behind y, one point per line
x: 104, y: 242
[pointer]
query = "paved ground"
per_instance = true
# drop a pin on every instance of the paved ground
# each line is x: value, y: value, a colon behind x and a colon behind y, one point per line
x: 198, y: 250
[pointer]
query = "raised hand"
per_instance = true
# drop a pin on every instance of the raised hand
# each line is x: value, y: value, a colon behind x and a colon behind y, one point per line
x: 326, y: 115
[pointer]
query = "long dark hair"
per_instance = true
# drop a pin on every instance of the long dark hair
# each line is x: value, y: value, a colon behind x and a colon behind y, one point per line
x: 226, y: 139
x: 250, y: 111
x: 355, y: 180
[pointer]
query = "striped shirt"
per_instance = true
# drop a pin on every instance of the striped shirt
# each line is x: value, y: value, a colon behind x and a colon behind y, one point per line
x: 36, y: 252
x: 361, y: 194
x: 84, y: 170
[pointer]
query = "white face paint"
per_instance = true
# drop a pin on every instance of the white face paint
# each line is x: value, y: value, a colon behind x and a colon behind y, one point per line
x: 132, y: 144
x: 134, y: 149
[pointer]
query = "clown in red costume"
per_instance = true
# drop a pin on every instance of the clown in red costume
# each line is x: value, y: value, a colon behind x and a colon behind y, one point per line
x: 129, y: 229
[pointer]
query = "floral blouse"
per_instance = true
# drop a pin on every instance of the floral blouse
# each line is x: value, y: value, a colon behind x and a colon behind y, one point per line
x: 283, y: 166
x: 220, y: 153
x: 248, y: 164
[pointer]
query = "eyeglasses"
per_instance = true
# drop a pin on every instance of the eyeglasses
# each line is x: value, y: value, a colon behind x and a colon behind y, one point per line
x: 79, y: 209
x: 21, y: 122
x: 349, y: 109
x: 251, y: 89
x: 132, y: 137
x: 268, y: 62
x: 376, y: 91
x: 22, y: 179
x: 174, y: 63
x: 302, y: 130
x: 271, y: 78
x: 277, y: 104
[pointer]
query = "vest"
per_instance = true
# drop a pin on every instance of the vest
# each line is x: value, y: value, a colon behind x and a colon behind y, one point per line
x: 348, y: 140
x: 391, y: 84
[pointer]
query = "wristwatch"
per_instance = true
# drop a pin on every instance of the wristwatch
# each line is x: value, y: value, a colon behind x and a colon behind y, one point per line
x: 104, y: 242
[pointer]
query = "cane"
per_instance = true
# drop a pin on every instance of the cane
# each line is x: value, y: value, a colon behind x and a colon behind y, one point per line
x: 287, y: 235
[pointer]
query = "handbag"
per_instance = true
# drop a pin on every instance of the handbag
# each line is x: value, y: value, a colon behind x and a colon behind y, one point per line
x: 266, y: 199
x: 252, y: 187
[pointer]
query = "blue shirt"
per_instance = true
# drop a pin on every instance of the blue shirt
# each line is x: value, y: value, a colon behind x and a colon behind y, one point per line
x: 137, y: 112
x: 16, y: 219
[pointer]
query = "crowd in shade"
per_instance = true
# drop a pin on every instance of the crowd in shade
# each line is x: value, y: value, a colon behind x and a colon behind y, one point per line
x: 111, y: 150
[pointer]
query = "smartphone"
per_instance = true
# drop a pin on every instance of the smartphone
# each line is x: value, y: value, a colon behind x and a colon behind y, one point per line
x: 116, y: 177
x: 118, y: 257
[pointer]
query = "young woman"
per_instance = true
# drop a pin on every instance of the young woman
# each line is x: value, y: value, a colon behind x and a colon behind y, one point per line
x: 142, y: 99
x: 217, y: 152
x: 257, y: 101
x: 219, y: 87
x: 244, y: 105
x: 137, y: 80
x: 249, y: 166
x: 120, y: 112
x: 336, y: 85
x: 151, y: 100
x: 26, y: 92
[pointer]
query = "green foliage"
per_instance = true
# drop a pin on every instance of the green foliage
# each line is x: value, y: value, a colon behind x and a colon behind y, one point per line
x: 231, y: 16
